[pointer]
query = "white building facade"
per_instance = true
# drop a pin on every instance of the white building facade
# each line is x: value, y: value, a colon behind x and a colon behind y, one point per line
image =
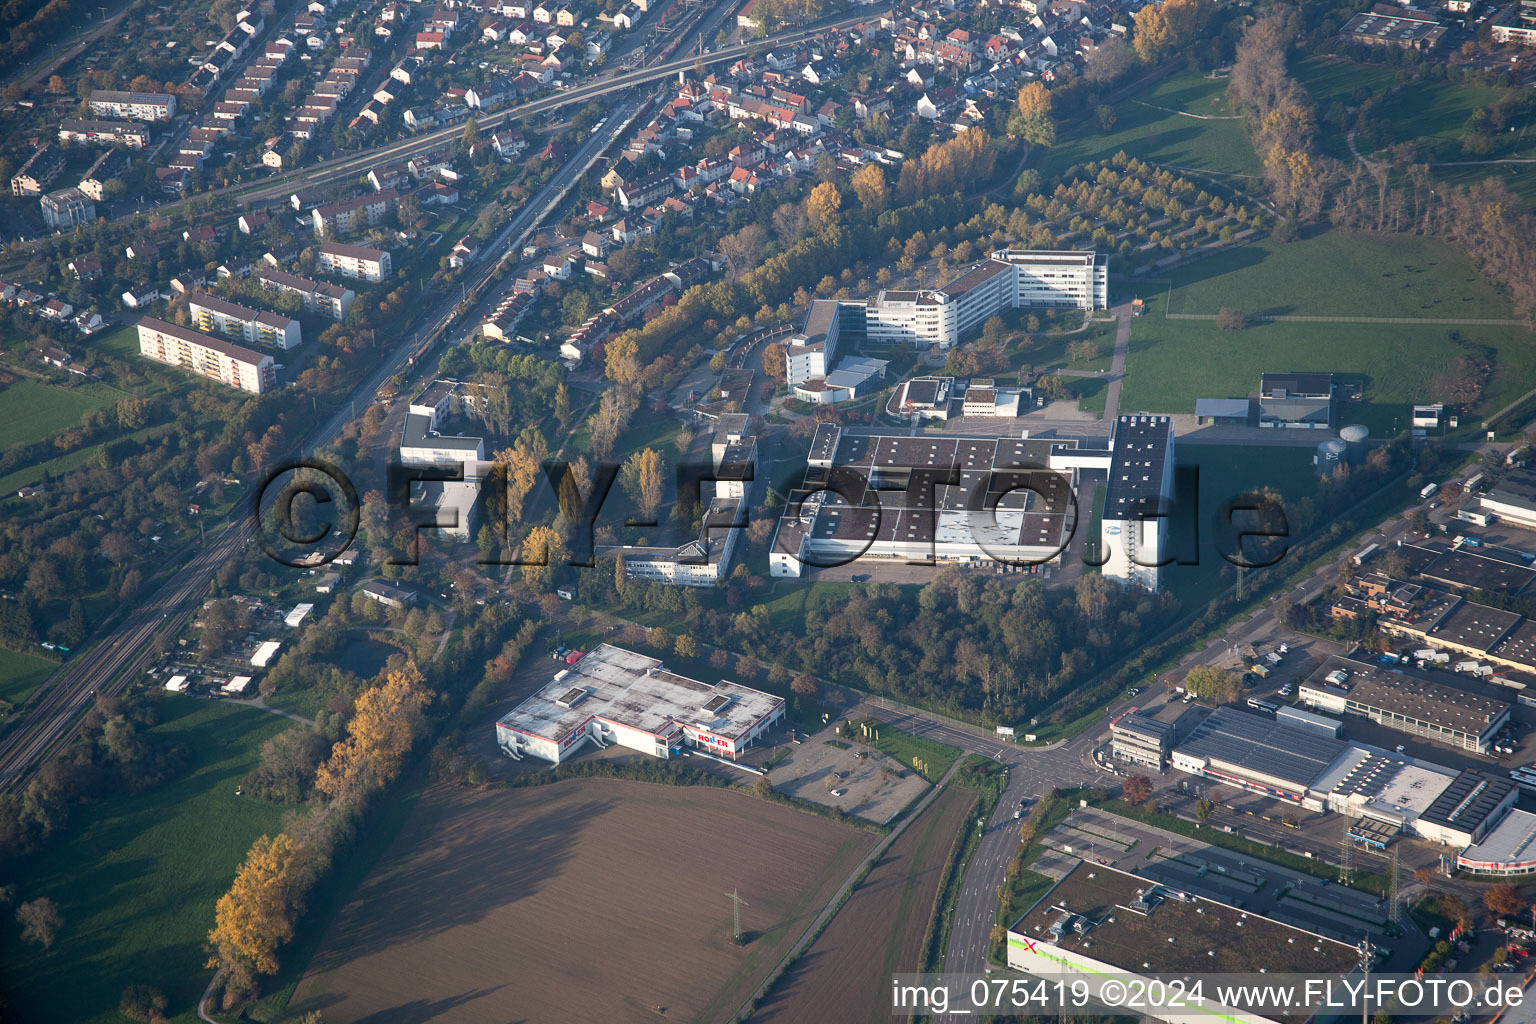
x: 207, y: 356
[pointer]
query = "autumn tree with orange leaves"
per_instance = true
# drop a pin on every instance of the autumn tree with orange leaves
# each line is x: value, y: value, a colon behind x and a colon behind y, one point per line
x: 258, y: 913
x: 384, y: 724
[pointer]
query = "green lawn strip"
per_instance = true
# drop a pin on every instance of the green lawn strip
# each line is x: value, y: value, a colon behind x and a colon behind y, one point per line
x: 11, y: 482
x: 20, y: 675
x: 136, y: 877
x: 1339, y: 273
x: 351, y: 866
x: 989, y: 789
x: 1227, y: 471
x: 31, y: 410
x: 1367, y: 881
x: 1431, y: 113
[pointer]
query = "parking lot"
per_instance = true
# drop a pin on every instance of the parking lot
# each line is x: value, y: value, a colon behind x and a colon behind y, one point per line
x: 853, y: 777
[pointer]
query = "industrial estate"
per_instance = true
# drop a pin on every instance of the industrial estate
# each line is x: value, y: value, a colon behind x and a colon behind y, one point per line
x: 838, y: 499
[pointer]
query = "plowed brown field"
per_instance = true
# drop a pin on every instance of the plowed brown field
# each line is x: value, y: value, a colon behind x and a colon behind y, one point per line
x: 586, y: 900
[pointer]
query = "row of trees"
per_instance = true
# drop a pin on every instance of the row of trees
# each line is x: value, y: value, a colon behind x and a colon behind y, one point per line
x: 259, y: 913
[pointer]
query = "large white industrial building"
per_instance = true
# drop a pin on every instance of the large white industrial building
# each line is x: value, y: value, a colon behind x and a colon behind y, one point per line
x: 1302, y: 764
x: 883, y: 496
x: 1099, y: 926
x: 614, y: 696
x: 968, y: 499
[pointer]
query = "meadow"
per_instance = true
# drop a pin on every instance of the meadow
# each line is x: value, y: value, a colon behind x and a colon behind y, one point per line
x: 31, y: 410
x: 20, y: 675
x: 1339, y: 273
x: 1172, y: 363
x: 1212, y: 142
x: 136, y: 877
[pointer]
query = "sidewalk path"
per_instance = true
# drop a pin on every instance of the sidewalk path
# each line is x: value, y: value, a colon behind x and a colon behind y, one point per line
x: 1122, y: 313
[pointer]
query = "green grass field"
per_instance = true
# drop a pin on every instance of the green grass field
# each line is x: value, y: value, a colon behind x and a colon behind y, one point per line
x: 1337, y: 273
x: 20, y: 674
x: 1206, y: 143
x: 1432, y: 114
x: 1051, y: 349
x: 31, y: 411
x: 136, y: 877
x: 902, y: 747
x: 1172, y: 363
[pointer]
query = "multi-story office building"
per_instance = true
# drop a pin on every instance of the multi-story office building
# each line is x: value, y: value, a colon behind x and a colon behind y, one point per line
x: 133, y: 106
x: 355, y: 261
x: 255, y: 327
x: 207, y: 356
x: 1133, y: 533
x: 813, y: 351
x: 1009, y: 279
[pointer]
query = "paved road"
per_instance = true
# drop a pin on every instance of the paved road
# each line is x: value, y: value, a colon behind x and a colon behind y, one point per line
x: 1122, y: 314
x: 1032, y: 772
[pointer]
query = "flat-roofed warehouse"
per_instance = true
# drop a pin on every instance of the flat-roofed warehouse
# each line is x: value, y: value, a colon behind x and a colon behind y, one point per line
x: 1468, y: 809
x: 1467, y: 569
x: 1098, y: 920
x: 612, y: 695
x: 1407, y: 703
x: 1259, y: 754
x: 1513, y: 498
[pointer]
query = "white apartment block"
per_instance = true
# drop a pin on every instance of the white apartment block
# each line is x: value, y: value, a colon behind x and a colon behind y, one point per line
x: 318, y: 296
x: 67, y: 209
x: 334, y: 219
x: 133, y: 106
x: 213, y: 314
x: 354, y: 261
x: 207, y: 356
x: 105, y: 133
x: 1009, y: 279
x: 1133, y: 533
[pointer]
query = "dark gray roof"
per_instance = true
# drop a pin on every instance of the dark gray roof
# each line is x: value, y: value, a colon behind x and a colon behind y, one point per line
x: 1468, y: 801
x: 1264, y: 745
x: 1297, y: 384
x: 415, y: 435
x: 1141, y: 447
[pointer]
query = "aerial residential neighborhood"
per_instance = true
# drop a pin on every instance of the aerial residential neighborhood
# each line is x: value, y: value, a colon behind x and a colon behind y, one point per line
x: 939, y: 508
